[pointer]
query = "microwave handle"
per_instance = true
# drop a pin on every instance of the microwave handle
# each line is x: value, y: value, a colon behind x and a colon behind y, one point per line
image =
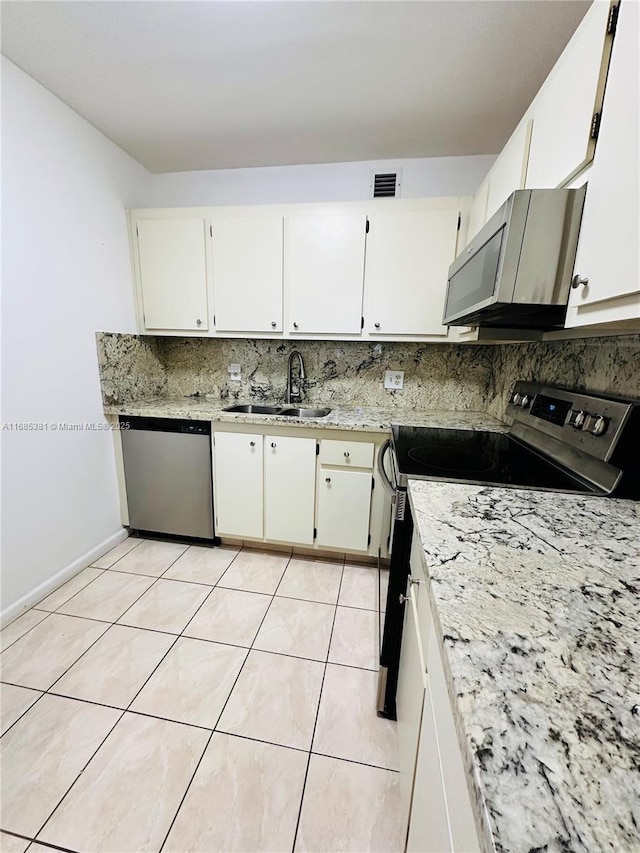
x: 386, y: 482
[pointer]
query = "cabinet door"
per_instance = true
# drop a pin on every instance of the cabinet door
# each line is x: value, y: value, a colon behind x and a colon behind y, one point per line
x: 344, y: 505
x: 429, y: 830
x: 407, y: 266
x: 464, y: 835
x: 173, y: 273
x: 290, y: 479
x: 247, y: 273
x: 324, y: 271
x: 509, y: 172
x: 478, y: 214
x: 421, y: 787
x: 563, y: 110
x: 608, y: 248
x: 238, y: 484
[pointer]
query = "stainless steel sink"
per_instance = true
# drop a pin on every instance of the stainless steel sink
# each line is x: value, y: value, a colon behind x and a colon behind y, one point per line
x: 250, y: 409
x: 286, y: 411
x: 305, y: 413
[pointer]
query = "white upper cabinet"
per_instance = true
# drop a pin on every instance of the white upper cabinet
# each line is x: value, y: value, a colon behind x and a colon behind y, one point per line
x: 509, y: 172
x: 563, y: 110
x: 406, y: 271
x: 608, y: 249
x: 247, y: 273
x: 324, y: 273
x: 173, y: 273
x: 478, y: 213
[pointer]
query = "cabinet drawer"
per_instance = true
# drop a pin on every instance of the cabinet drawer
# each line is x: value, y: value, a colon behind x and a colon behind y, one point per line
x: 355, y: 454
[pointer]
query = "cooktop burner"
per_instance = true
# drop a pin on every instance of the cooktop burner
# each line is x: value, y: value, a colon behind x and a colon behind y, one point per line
x: 476, y: 456
x: 437, y: 458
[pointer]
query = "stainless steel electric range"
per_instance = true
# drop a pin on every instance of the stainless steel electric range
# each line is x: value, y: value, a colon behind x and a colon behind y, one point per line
x: 561, y: 440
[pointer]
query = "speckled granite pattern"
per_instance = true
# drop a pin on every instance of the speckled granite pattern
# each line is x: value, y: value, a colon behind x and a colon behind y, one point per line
x: 536, y: 596
x: 341, y: 417
x: 437, y: 376
x: 130, y: 367
x: 600, y: 365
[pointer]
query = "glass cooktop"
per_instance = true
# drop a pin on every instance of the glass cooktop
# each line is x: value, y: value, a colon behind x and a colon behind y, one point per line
x: 485, y: 458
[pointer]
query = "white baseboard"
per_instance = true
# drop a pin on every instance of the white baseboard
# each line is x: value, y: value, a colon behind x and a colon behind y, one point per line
x: 14, y: 610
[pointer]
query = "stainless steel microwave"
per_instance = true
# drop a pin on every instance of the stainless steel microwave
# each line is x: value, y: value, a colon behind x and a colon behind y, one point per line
x: 516, y: 272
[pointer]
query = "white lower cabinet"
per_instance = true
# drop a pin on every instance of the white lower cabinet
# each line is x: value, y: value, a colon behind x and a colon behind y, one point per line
x: 437, y: 805
x: 344, y: 505
x: 265, y: 488
x: 289, y: 485
x: 238, y: 483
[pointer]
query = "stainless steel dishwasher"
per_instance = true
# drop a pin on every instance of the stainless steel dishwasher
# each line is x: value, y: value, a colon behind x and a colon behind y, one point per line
x: 167, y: 470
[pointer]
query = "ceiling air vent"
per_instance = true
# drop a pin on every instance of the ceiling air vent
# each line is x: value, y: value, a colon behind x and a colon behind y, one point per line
x: 385, y: 184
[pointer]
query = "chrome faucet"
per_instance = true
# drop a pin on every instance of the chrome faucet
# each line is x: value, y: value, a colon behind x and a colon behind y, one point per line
x: 294, y: 384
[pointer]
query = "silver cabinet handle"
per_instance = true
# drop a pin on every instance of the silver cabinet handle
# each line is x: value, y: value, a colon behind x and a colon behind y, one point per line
x: 346, y: 454
x: 403, y: 598
x: 295, y: 325
x: 377, y: 325
x: 198, y: 322
x: 578, y: 280
x: 327, y: 479
x: 273, y: 444
x: 252, y: 444
x: 273, y: 324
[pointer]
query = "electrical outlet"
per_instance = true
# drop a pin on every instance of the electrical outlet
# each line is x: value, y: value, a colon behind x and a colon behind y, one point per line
x: 234, y: 371
x: 394, y: 379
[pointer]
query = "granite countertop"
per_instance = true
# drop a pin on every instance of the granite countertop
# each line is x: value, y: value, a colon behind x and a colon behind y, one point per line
x: 362, y: 418
x: 536, y: 600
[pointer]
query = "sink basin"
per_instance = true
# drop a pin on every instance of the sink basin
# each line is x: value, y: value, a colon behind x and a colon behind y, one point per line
x: 287, y: 411
x: 305, y: 413
x: 250, y: 409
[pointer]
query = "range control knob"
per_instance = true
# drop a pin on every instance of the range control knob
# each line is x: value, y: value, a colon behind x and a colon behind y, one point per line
x: 598, y: 424
x: 577, y: 418
x: 525, y: 401
x: 516, y: 398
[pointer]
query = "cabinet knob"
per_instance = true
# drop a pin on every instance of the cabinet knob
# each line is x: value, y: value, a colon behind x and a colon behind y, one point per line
x: 327, y: 479
x: 403, y: 598
x: 198, y: 322
x: 295, y: 325
x: 273, y: 324
x: 578, y: 280
x: 346, y: 454
x: 377, y: 325
x: 252, y: 444
x: 273, y: 444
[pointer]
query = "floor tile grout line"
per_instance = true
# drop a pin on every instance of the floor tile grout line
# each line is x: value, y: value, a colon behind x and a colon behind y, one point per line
x: 184, y: 796
x: 353, y: 761
x: 246, y: 657
x: 140, y: 542
x: 33, y: 841
x: 84, y: 767
x: 123, y: 712
x: 315, y: 722
x: 206, y: 598
x: 147, y: 589
x: 66, y: 601
x: 26, y: 710
x: 48, y: 612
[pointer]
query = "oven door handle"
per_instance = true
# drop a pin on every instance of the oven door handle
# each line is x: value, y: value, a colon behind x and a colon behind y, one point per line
x: 386, y: 482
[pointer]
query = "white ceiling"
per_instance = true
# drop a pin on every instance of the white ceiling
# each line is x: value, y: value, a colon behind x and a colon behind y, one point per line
x: 228, y: 83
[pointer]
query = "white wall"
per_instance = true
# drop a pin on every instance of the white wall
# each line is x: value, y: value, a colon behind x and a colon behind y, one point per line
x: 65, y: 274
x: 435, y: 176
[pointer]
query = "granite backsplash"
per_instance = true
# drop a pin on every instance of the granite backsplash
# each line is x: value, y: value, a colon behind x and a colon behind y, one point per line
x: 437, y: 376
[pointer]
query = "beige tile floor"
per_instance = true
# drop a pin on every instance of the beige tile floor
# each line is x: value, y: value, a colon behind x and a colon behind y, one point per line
x: 183, y: 698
